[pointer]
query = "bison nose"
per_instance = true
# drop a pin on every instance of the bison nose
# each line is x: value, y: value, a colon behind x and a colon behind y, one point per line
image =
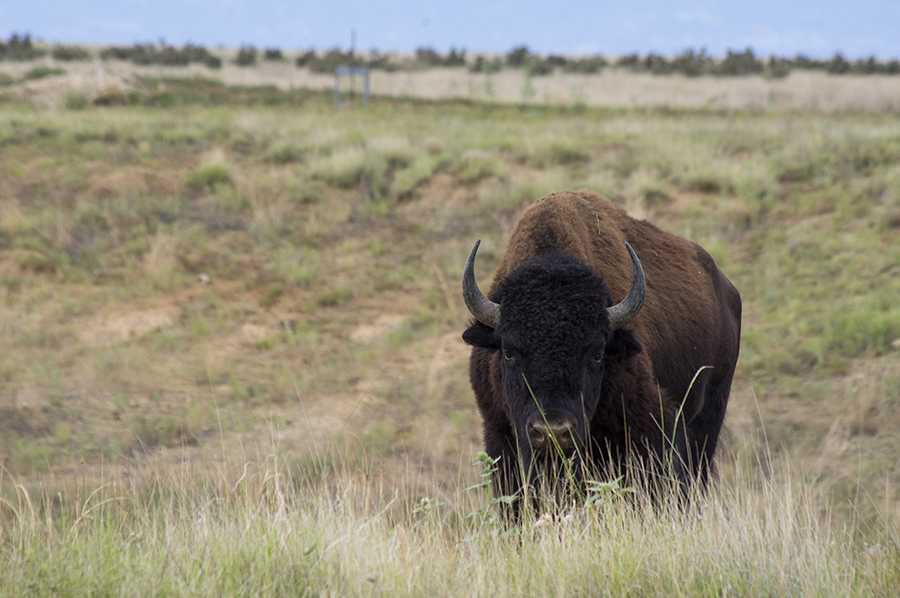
x: 551, y: 430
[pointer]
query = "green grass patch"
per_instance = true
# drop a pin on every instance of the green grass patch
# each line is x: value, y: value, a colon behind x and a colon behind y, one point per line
x: 208, y: 176
x: 334, y: 297
x: 42, y: 72
x: 418, y: 173
x: 475, y: 165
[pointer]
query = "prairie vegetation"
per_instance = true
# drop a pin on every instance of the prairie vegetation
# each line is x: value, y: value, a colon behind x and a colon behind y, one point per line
x: 230, y: 359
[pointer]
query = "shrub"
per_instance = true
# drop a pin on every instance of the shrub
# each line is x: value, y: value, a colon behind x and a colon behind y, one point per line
x: 567, y: 154
x: 20, y: 48
x: 273, y: 54
x: 427, y: 57
x: 42, y: 72
x: 455, y: 58
x: 380, y: 61
x: 170, y: 56
x: 657, y: 65
x: 75, y: 100
x: 208, y: 175
x: 418, y: 173
x: 475, y: 165
x: 692, y: 64
x: 540, y: 66
x: 305, y: 58
x: 777, y: 68
x: 483, y: 65
x: 195, y: 53
x: 115, y: 53
x: 246, y: 56
x: 69, y: 53
x: 147, y: 54
x: 802, y: 62
x: 735, y: 65
x: 284, y: 153
x: 588, y: 66
x: 329, y: 62
x: 342, y: 168
x: 518, y: 56
x: 838, y: 65
x: 629, y: 61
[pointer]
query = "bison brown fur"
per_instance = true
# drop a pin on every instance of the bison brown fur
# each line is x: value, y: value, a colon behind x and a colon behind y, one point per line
x: 554, y: 376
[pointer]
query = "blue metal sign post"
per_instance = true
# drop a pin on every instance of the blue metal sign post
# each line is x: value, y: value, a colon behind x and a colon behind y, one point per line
x: 349, y: 71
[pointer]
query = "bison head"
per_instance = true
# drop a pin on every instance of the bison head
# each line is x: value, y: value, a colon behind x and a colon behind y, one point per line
x: 553, y: 329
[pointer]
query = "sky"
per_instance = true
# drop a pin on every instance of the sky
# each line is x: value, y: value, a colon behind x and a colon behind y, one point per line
x: 815, y: 28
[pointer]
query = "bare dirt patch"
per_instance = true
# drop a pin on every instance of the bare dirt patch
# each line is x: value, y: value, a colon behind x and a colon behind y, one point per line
x: 383, y: 324
x: 108, y: 329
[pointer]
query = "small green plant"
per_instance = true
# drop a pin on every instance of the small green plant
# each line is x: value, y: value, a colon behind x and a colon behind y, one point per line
x: 603, y: 496
x: 342, y: 168
x: 272, y: 295
x: 424, y: 512
x: 75, y: 100
x: 486, y: 518
x: 304, y: 190
x: 334, y: 297
x: 207, y: 176
x: 475, y: 165
x: 418, y: 173
x: 528, y: 91
x: 285, y: 153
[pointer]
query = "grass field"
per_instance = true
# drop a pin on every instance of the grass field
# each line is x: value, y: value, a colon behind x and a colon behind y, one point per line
x: 230, y: 359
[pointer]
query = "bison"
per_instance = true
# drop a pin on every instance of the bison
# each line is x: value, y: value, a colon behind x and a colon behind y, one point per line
x: 602, y: 340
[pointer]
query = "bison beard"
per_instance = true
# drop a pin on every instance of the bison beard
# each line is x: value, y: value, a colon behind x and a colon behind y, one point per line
x: 570, y: 384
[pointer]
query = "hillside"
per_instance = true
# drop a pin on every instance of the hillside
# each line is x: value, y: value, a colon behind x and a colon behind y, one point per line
x: 193, y: 290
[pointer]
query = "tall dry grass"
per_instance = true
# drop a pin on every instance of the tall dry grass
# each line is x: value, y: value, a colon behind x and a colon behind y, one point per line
x: 264, y: 527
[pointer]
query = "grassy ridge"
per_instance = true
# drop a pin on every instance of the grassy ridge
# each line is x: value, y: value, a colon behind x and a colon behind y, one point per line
x: 195, y: 282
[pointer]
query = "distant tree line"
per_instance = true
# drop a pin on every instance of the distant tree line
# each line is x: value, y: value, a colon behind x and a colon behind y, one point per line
x: 424, y: 58
x: 19, y: 47
x: 690, y: 62
x: 736, y: 64
x: 162, y: 54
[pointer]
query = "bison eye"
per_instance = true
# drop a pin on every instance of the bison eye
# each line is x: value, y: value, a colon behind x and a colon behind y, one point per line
x: 597, y: 356
x: 508, y: 355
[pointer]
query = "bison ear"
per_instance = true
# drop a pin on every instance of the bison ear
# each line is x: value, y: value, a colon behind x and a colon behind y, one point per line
x: 479, y: 335
x: 623, y: 345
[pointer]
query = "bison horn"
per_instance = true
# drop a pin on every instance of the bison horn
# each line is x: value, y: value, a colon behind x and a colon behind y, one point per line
x: 485, y: 311
x: 626, y: 310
